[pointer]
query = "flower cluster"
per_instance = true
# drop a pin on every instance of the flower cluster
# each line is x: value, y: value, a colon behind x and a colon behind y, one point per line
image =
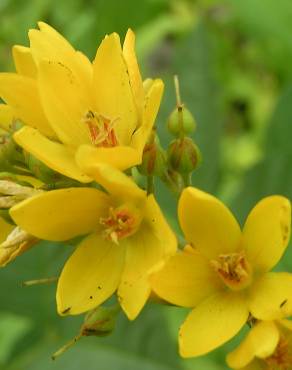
x: 71, y: 132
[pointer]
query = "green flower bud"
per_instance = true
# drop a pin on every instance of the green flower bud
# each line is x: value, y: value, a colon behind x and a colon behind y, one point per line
x: 181, y: 121
x: 183, y: 155
x: 100, y: 321
x: 154, y: 159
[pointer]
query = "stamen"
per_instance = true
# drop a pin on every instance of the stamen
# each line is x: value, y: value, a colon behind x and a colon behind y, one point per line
x: 121, y: 222
x: 101, y: 129
x: 233, y: 269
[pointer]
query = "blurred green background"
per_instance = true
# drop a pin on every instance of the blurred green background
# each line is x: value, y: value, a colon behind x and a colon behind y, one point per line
x: 233, y: 59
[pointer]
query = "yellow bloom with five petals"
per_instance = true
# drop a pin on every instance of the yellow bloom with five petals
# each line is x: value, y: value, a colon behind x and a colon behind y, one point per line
x: 77, y: 111
x: 224, y: 274
x: 267, y: 346
x: 128, y: 238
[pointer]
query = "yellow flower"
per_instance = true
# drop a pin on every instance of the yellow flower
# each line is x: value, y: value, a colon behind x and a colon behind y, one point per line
x: 224, y: 273
x: 268, y: 346
x: 128, y: 238
x: 75, y: 110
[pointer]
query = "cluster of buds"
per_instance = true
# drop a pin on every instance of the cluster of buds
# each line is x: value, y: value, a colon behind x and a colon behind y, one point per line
x: 176, y: 165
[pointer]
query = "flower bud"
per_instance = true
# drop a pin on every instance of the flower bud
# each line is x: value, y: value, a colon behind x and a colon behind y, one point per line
x: 100, y: 321
x: 17, y: 242
x: 154, y: 159
x: 12, y: 193
x: 181, y: 121
x: 183, y: 155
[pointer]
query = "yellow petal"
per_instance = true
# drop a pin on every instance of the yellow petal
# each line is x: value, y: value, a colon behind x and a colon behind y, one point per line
x: 185, y: 280
x: 260, y: 342
x: 48, y: 44
x: 151, y: 245
x: 64, y: 103
x: 6, y: 117
x: 212, y: 323
x: 133, y: 296
x: 271, y: 296
x: 56, y: 156
x: 90, y: 276
x: 113, y: 94
x: 61, y: 214
x: 147, y: 83
x: 116, y: 182
x: 266, y: 232
x: 133, y: 68
x: 207, y: 223
x: 120, y: 157
x: 23, y: 61
x: 22, y: 95
x: 150, y: 110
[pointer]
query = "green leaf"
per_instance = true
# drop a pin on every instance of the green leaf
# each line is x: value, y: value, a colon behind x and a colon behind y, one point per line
x: 12, y: 329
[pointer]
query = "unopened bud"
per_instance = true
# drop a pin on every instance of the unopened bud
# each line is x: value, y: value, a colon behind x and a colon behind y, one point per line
x: 17, y: 242
x: 154, y: 159
x: 181, y: 121
x: 12, y: 193
x: 100, y: 321
x: 183, y: 155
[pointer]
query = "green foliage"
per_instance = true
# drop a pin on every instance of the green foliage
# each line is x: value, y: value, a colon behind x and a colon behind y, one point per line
x: 233, y: 59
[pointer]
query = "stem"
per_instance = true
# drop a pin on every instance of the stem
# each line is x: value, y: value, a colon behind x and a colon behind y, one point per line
x: 177, y: 91
x: 66, y: 346
x: 39, y: 281
x: 179, y: 106
x: 187, y: 178
x: 150, y: 185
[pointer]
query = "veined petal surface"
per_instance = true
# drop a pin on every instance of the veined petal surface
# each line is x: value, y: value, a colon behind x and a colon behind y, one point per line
x: 185, y: 280
x: 113, y: 93
x: 260, y: 342
x: 207, y: 223
x: 55, y: 155
x: 23, y: 61
x: 120, y: 157
x: 21, y: 93
x: 266, y: 232
x: 212, y: 323
x: 271, y: 296
x: 61, y: 214
x: 90, y: 276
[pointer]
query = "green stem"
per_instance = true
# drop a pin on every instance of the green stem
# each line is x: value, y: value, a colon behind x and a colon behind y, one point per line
x: 66, y: 346
x: 187, y: 178
x: 39, y: 281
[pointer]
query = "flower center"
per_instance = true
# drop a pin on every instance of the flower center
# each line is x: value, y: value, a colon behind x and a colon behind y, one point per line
x: 281, y: 359
x: 101, y: 130
x: 233, y: 269
x: 121, y: 222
